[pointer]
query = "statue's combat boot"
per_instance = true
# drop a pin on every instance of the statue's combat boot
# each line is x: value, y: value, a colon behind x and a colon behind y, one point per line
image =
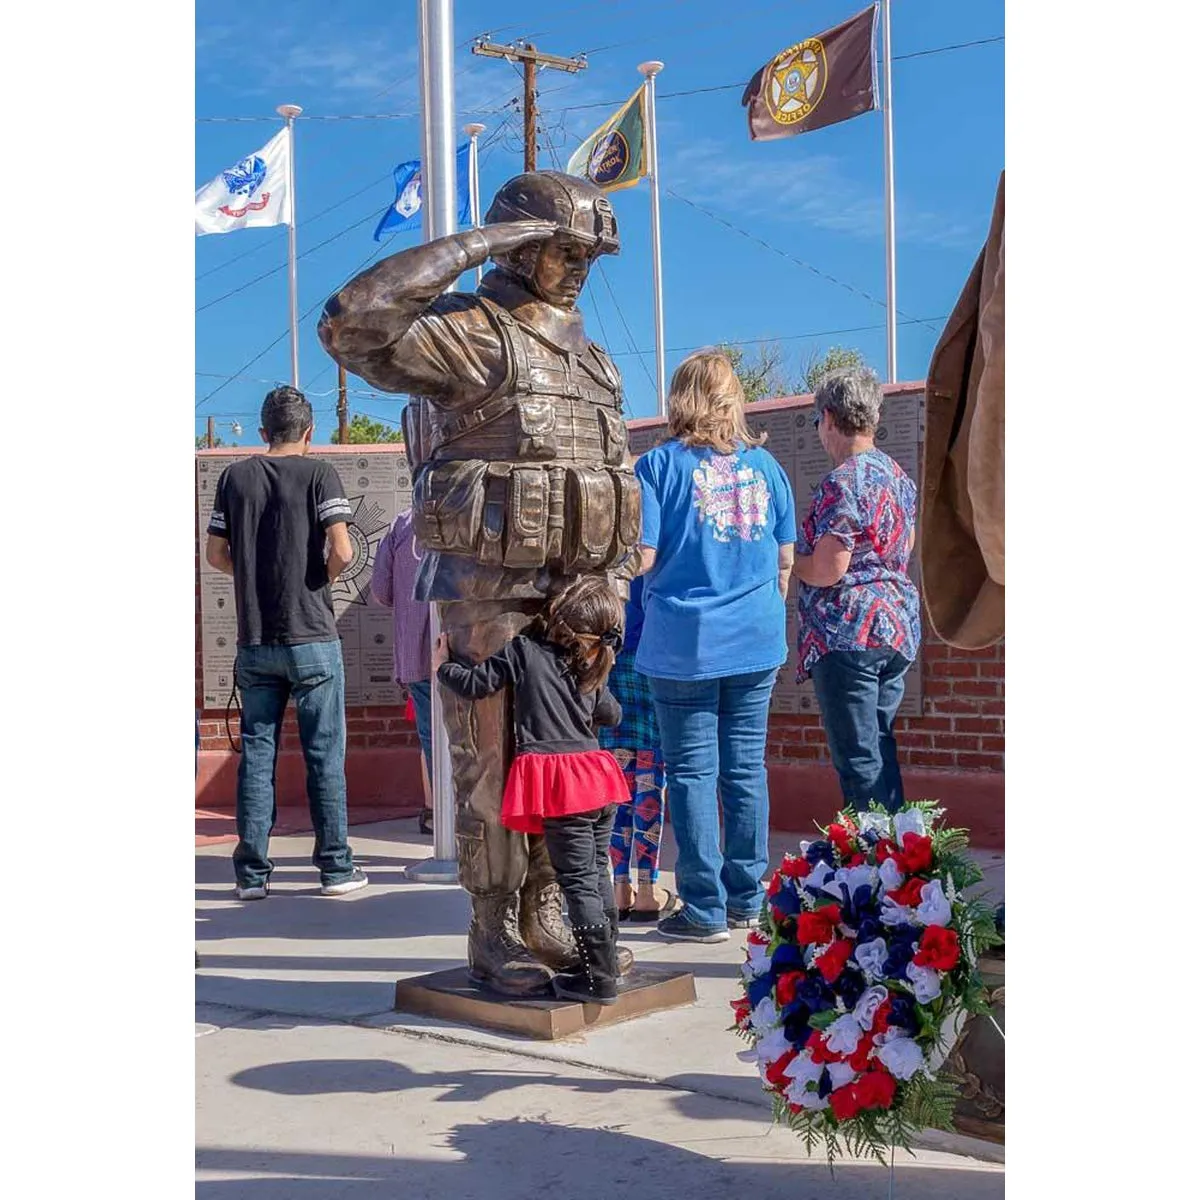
x: 496, y: 957
x: 544, y: 932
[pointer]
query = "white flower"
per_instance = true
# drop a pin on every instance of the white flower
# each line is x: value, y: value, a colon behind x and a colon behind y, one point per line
x: 764, y: 1015
x: 757, y: 959
x: 841, y: 1073
x: 843, y: 1035
x: 802, y: 1070
x: 934, y: 908
x: 808, y: 1100
x: 873, y: 822
x: 870, y: 957
x: 772, y: 1045
x: 911, y: 821
x: 853, y: 878
x: 890, y: 875
x: 927, y: 983
x: 868, y: 1005
x: 891, y: 913
x: 821, y: 873
x: 902, y: 1056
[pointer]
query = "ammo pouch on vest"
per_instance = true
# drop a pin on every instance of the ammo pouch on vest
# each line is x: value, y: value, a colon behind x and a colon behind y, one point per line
x: 528, y: 515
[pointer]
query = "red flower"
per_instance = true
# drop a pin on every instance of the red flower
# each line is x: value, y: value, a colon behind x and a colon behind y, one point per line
x: 830, y: 963
x: 875, y: 1089
x: 909, y: 892
x: 773, y: 888
x: 785, y: 987
x: 856, y: 860
x: 839, y: 835
x: 845, y: 1103
x: 885, y: 848
x: 794, y: 868
x: 861, y: 1057
x: 817, y: 928
x: 821, y: 1054
x: 741, y: 1009
x: 917, y: 854
x: 757, y: 937
x: 775, y: 1076
x: 938, y: 948
x: 879, y: 1024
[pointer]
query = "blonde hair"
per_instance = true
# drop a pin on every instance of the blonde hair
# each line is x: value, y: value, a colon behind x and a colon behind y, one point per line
x: 707, y: 406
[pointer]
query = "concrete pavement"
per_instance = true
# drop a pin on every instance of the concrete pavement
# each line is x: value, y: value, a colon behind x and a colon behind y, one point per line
x: 309, y: 1085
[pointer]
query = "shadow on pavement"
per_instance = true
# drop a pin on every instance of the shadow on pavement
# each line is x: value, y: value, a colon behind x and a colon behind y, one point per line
x: 522, y: 1159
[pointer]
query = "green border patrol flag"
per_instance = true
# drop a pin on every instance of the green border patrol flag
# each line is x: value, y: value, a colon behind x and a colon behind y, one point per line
x: 817, y: 82
x: 614, y: 156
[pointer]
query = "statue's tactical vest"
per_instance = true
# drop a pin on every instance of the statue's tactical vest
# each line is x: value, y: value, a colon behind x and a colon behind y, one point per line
x: 533, y: 476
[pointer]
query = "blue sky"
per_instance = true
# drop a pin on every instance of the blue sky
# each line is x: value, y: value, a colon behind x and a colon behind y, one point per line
x: 816, y: 198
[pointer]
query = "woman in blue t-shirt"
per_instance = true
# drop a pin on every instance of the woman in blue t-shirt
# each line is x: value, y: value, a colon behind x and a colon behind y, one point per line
x: 718, y: 528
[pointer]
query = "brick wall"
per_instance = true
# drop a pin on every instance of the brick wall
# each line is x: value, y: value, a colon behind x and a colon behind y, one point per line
x: 961, y: 728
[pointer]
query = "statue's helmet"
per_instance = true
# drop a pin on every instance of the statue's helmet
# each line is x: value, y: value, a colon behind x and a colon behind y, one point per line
x: 577, y: 206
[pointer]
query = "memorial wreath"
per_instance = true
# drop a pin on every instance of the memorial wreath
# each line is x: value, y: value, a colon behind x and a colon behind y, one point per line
x: 860, y: 975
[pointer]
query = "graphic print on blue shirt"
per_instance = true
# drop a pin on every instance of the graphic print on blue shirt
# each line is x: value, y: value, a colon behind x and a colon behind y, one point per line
x: 711, y: 600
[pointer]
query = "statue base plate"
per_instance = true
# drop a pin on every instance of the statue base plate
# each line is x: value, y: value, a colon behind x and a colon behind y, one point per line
x: 452, y: 996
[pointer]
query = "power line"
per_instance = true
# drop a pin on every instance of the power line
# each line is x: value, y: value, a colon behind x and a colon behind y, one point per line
x: 790, y: 257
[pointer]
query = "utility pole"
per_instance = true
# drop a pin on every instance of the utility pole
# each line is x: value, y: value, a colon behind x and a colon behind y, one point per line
x: 341, y: 405
x: 530, y: 58
x: 211, y: 436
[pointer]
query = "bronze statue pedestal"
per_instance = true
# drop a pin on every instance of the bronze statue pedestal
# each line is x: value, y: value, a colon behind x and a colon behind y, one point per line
x: 977, y: 1062
x: 451, y: 996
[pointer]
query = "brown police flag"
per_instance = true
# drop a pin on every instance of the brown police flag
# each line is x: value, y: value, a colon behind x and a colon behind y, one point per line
x: 817, y: 82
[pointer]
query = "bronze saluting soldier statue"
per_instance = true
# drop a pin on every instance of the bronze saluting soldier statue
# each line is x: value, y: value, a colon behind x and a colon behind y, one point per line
x: 518, y: 450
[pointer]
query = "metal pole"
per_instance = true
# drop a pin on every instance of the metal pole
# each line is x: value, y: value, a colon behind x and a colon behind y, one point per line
x: 473, y: 130
x: 889, y: 191
x: 342, y: 406
x: 435, y: 38
x: 290, y: 112
x: 650, y: 70
x: 530, y: 111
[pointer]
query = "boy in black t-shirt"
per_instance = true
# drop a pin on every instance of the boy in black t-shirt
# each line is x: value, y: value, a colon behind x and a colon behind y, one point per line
x: 272, y: 515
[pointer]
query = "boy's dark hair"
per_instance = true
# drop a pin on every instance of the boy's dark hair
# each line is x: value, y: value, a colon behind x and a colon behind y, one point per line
x: 586, y: 616
x: 286, y: 414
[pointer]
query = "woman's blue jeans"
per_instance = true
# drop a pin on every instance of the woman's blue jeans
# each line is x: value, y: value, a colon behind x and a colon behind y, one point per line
x: 714, y: 740
x: 859, y: 693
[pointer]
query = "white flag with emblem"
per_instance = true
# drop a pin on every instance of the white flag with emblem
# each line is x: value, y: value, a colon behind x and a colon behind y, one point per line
x: 254, y: 192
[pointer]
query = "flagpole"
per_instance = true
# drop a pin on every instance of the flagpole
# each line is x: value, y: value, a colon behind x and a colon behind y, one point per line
x: 439, y: 215
x: 650, y: 70
x: 889, y: 191
x: 473, y: 130
x: 289, y: 112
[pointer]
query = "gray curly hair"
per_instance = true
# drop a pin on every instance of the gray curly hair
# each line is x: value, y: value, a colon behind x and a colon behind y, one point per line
x: 852, y: 397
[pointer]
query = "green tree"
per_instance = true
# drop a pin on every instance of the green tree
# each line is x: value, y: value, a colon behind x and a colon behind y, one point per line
x: 762, y: 373
x: 362, y: 431
x: 836, y: 358
x: 202, y: 441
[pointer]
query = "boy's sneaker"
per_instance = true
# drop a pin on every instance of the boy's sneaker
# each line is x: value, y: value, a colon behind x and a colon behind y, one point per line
x: 356, y: 881
x: 679, y: 929
x: 257, y: 891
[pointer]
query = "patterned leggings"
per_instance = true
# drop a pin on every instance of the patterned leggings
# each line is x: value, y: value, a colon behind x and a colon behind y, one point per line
x: 637, y: 829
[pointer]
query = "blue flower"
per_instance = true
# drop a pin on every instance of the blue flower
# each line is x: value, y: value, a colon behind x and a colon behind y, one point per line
x: 820, y: 851
x: 869, y: 928
x: 815, y: 992
x: 859, y: 907
x: 900, y: 951
x: 795, y: 1025
x: 824, y: 1084
x: 787, y: 957
x: 903, y: 1014
x: 759, y: 988
x: 786, y: 900
x: 850, y: 985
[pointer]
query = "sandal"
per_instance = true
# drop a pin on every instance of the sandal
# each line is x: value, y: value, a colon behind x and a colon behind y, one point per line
x: 646, y: 915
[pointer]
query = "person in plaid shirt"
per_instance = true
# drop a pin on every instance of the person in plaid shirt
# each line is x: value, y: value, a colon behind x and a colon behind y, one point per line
x: 637, y: 830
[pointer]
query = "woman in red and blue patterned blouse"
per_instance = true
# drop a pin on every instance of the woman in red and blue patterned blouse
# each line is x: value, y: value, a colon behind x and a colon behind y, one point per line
x: 860, y: 616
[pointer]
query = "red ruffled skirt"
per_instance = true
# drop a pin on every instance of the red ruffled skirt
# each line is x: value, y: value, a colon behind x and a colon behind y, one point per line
x: 559, y: 785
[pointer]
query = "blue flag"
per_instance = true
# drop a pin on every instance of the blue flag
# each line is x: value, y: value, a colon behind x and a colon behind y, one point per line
x: 405, y: 211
